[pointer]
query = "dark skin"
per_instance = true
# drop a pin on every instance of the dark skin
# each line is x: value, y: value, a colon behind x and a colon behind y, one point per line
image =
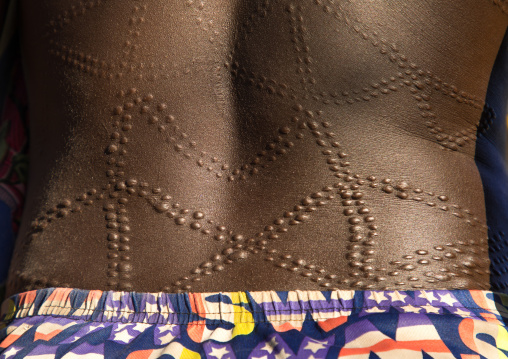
x: 255, y: 146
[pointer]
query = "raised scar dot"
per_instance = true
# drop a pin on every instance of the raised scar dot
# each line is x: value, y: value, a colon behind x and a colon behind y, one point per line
x: 388, y: 189
x: 162, y: 207
x: 195, y: 225
x: 180, y: 220
x: 112, y: 149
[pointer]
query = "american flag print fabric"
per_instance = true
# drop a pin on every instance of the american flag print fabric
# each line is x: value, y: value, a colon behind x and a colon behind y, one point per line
x: 73, y: 323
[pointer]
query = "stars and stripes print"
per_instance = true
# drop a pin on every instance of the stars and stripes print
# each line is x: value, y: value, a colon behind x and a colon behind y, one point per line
x: 71, y: 323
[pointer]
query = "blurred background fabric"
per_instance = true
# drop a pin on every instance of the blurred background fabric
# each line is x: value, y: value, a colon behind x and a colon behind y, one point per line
x: 13, y: 136
x: 491, y: 161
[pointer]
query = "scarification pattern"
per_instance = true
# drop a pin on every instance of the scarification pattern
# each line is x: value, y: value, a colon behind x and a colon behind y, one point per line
x: 79, y: 9
x: 503, y: 5
x: 91, y: 63
x: 116, y: 213
x: 362, y: 225
x: 350, y: 188
x: 65, y: 208
x: 487, y: 119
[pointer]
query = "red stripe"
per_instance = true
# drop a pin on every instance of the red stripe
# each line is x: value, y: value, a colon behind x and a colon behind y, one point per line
x: 9, y: 340
x: 140, y: 354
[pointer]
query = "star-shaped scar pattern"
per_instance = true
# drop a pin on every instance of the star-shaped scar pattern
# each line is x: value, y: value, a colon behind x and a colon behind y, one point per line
x: 308, y: 123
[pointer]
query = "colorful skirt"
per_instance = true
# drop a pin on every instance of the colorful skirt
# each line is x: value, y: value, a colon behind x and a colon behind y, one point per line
x: 73, y: 323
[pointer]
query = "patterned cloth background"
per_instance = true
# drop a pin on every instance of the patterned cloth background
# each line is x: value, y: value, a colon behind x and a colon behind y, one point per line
x: 13, y: 137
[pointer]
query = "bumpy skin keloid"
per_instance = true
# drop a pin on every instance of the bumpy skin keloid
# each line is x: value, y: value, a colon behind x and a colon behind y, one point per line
x: 255, y: 145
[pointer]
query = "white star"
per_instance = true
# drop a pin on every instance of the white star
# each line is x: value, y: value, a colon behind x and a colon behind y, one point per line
x: 430, y: 309
x: 282, y: 354
x: 461, y: 312
x: 140, y: 327
x: 219, y: 353
x: 151, y: 308
x: 12, y: 351
x: 448, y: 299
x: 397, y: 296
x: 93, y: 327
x: 314, y: 346
x: 410, y: 309
x: 108, y: 311
x: 377, y: 297
x: 428, y: 296
x: 125, y: 313
x: 165, y: 334
x: 375, y: 310
x: 270, y: 346
x: 263, y: 357
x: 123, y: 336
x: 75, y: 338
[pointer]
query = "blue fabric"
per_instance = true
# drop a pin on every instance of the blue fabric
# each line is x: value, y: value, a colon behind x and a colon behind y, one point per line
x: 491, y: 162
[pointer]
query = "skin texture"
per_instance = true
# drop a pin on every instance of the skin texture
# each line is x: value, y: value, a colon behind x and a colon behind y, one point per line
x: 255, y: 145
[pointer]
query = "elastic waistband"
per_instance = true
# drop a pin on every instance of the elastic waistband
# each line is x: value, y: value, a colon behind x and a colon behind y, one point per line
x: 290, y: 307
